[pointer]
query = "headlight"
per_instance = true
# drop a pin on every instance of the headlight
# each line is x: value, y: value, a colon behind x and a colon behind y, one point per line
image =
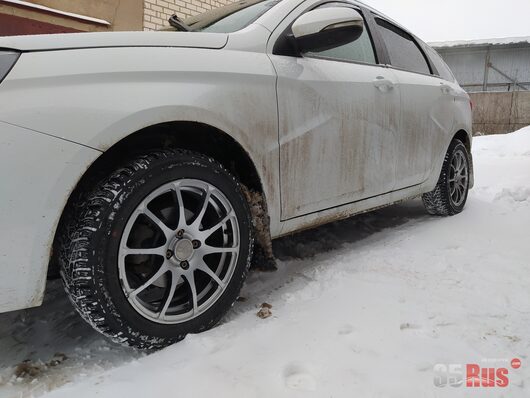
x: 7, y: 60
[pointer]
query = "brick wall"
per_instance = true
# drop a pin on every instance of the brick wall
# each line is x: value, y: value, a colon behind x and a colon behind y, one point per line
x: 157, y: 12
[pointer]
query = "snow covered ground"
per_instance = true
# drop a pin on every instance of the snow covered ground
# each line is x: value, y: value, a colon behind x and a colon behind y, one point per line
x: 360, y: 308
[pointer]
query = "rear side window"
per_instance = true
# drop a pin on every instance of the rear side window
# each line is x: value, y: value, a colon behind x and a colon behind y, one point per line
x: 403, y: 51
x: 443, y: 70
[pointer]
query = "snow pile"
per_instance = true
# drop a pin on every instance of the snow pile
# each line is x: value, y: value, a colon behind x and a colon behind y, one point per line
x: 499, y: 183
x: 360, y: 308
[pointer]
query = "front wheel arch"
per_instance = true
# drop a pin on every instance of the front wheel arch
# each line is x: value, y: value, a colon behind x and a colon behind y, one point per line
x: 194, y: 136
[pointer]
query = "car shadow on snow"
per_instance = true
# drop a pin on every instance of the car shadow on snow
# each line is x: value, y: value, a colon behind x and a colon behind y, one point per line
x: 37, y: 342
x: 38, y: 335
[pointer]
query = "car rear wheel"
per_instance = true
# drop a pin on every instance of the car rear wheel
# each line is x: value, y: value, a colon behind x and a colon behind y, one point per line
x: 161, y: 249
x: 450, y: 195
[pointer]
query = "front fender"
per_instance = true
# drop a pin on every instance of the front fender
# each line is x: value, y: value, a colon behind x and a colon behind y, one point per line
x: 98, y: 96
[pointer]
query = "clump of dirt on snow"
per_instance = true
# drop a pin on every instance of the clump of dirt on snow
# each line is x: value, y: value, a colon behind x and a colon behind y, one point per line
x: 28, y: 370
x: 265, y: 311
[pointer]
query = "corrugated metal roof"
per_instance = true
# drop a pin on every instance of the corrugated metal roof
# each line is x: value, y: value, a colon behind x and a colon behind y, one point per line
x: 481, y: 43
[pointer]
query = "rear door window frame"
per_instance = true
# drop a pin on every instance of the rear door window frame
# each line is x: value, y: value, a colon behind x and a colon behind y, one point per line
x: 432, y: 70
x: 436, y: 72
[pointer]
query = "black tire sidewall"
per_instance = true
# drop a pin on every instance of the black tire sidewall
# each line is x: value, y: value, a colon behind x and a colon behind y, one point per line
x: 105, y: 244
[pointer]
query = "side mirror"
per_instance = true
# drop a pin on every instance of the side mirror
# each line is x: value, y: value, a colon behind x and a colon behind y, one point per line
x: 326, y: 28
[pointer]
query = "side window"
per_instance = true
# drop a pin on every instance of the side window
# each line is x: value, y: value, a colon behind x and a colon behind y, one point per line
x: 403, y: 51
x: 443, y: 70
x: 361, y: 50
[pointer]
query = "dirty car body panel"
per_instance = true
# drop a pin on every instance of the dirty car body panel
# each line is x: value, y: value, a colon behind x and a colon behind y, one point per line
x: 327, y: 138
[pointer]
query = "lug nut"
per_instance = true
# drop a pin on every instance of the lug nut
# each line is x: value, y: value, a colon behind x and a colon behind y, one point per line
x: 169, y: 254
x: 180, y: 233
x: 184, y: 265
x: 196, y: 244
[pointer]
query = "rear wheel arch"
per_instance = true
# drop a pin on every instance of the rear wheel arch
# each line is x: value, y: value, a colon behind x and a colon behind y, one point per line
x: 194, y: 136
x: 464, y: 137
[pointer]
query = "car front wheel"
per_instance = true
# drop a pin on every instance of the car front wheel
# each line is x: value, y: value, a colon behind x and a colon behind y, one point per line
x: 161, y: 249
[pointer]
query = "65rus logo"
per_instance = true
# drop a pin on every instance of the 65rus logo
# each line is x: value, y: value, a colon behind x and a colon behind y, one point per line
x: 473, y: 375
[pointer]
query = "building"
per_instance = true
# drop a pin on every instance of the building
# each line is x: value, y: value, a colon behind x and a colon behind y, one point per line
x: 65, y: 16
x: 496, y: 73
x: 489, y: 65
x: 157, y: 12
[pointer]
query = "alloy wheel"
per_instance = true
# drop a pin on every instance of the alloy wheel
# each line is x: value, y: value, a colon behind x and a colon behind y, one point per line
x: 458, y: 178
x: 178, y: 251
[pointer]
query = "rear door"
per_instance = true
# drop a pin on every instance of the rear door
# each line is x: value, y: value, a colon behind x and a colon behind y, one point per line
x: 426, y: 112
x: 338, y: 120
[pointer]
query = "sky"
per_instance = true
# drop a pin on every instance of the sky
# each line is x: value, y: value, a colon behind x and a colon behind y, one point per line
x: 447, y: 20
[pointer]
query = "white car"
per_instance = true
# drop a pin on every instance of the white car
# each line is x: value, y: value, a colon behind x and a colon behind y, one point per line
x: 145, y: 164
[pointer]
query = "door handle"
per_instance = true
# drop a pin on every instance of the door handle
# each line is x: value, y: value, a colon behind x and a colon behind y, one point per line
x: 446, y: 90
x: 384, y: 85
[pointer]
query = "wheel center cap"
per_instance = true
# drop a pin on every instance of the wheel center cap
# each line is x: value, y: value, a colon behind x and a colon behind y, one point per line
x: 183, y: 249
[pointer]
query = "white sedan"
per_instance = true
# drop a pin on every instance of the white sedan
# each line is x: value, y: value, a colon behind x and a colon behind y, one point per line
x: 144, y: 165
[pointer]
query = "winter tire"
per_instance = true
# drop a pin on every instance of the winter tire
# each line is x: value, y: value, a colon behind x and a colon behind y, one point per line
x: 450, y: 195
x: 160, y: 249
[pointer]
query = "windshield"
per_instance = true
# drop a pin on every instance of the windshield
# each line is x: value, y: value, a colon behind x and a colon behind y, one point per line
x: 230, y: 18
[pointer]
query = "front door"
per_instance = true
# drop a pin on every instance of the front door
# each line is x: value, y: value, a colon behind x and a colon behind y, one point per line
x: 338, y: 120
